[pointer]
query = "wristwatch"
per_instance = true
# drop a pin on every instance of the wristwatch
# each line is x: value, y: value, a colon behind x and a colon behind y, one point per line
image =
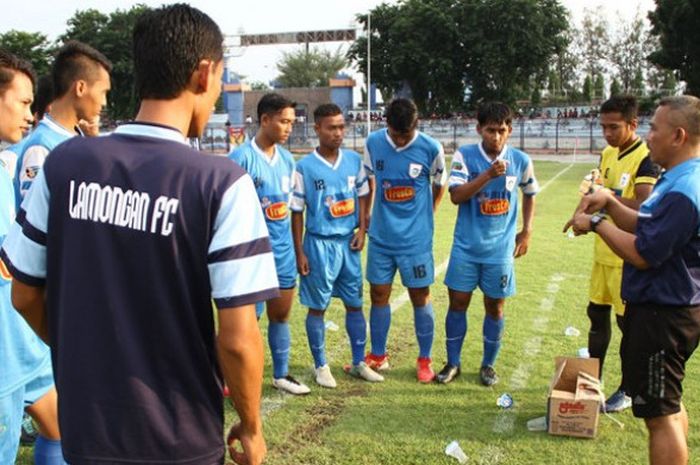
x: 596, y: 220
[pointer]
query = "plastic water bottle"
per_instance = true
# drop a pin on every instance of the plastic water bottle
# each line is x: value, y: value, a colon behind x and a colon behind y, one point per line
x: 505, y: 401
x: 572, y: 332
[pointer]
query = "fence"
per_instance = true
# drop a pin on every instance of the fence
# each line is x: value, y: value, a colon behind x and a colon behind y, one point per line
x: 558, y: 136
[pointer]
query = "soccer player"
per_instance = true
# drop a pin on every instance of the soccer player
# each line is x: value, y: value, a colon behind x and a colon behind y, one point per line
x: 127, y: 239
x: 40, y: 105
x: 81, y: 81
x: 26, y: 378
x: 401, y: 162
x: 272, y: 168
x: 627, y: 170
x: 331, y: 184
x: 484, y: 182
x: 660, y: 246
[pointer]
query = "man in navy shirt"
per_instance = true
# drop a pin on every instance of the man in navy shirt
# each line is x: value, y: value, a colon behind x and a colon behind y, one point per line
x: 122, y: 244
x: 660, y: 245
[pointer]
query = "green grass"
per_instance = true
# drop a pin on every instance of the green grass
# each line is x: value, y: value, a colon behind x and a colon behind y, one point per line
x: 400, y: 422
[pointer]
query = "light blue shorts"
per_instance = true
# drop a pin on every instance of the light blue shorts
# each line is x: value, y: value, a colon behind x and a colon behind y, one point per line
x: 286, y: 268
x: 12, y: 410
x: 417, y: 270
x: 335, y: 271
x: 495, y: 281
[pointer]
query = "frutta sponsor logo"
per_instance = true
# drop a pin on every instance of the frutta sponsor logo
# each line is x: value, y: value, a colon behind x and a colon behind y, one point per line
x: 276, y: 211
x: 342, y: 208
x: 571, y: 408
x: 493, y: 207
x: 398, y: 193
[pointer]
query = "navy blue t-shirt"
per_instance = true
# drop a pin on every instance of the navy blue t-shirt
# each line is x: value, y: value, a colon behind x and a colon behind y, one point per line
x: 133, y: 235
x: 668, y: 238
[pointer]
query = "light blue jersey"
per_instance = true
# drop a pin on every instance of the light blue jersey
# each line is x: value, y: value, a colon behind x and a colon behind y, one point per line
x: 402, y: 215
x: 22, y: 354
x: 43, y: 139
x: 330, y: 193
x: 273, y: 178
x: 486, y: 223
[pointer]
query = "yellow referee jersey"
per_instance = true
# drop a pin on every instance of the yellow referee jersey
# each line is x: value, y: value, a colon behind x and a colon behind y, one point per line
x: 621, y: 172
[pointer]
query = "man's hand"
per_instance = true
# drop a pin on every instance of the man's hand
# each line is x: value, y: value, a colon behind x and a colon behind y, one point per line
x: 302, y: 264
x: 522, y: 241
x: 254, y: 447
x: 90, y: 128
x: 590, y: 204
x: 358, y: 240
x: 581, y: 223
x: 498, y: 168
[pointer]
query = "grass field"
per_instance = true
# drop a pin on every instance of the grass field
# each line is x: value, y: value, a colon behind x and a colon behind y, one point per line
x: 400, y: 422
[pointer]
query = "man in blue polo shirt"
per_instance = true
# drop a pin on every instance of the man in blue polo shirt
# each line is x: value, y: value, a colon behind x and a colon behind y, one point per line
x: 127, y: 239
x: 660, y: 245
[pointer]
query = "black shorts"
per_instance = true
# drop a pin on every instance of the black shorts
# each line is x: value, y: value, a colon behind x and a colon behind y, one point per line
x: 657, y: 341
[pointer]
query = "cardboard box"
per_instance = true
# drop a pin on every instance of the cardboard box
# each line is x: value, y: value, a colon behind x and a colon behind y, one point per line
x: 574, y: 398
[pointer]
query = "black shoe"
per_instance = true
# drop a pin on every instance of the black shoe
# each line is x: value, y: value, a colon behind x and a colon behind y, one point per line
x: 448, y: 373
x: 488, y: 376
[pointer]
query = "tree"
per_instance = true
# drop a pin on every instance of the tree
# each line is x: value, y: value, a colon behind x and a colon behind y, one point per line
x: 111, y: 35
x: 32, y: 46
x: 415, y: 45
x: 587, y: 92
x: 594, y: 42
x: 615, y: 88
x: 309, y: 68
x: 599, y: 87
x: 675, y: 23
x: 628, y: 54
x: 259, y: 85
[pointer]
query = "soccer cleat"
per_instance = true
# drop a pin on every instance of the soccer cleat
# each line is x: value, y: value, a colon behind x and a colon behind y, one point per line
x: 377, y: 362
x: 290, y: 385
x: 448, y: 373
x: 362, y: 371
x: 324, y: 377
x: 617, y: 402
x: 424, y: 370
x: 488, y: 376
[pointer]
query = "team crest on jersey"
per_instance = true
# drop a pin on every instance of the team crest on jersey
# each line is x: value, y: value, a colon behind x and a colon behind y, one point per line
x: 414, y: 170
x: 624, y: 180
x: 342, y: 208
x: 276, y: 211
x: 31, y: 171
x: 510, y: 182
x: 494, y: 207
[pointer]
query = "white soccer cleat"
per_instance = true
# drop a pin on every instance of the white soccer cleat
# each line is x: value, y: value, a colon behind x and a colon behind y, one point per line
x: 290, y: 385
x: 362, y: 371
x: 324, y: 377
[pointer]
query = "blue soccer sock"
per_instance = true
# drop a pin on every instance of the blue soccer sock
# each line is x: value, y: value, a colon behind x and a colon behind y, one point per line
x: 379, y: 322
x: 455, y: 332
x: 48, y: 452
x: 424, y: 323
x: 493, y: 332
x: 280, y: 341
x: 356, y: 327
x: 316, y: 333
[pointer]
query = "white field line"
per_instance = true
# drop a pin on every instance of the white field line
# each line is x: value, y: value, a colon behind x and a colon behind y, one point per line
x: 272, y: 403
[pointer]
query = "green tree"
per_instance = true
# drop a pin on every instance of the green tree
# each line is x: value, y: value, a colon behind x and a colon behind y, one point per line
x: 599, y: 87
x: 32, y: 46
x: 259, y: 85
x: 675, y: 23
x: 111, y: 35
x: 615, y: 88
x: 587, y: 92
x: 594, y: 42
x: 309, y: 68
x: 628, y: 53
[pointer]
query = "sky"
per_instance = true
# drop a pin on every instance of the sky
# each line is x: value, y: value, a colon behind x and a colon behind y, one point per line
x: 253, y: 17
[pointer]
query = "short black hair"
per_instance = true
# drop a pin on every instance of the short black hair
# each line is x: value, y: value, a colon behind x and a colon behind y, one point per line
x: 402, y: 115
x: 626, y: 105
x: 75, y: 61
x: 11, y: 64
x: 327, y: 109
x: 169, y: 43
x: 273, y: 103
x: 43, y: 97
x: 686, y: 113
x: 494, y: 112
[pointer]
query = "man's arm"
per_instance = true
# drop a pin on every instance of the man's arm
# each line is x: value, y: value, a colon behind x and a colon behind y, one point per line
x: 522, y: 239
x: 358, y: 239
x: 30, y: 302
x: 623, y: 216
x: 240, y: 351
x: 297, y: 235
x: 622, y: 243
x: 438, y: 193
x: 464, y: 192
x: 641, y: 192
